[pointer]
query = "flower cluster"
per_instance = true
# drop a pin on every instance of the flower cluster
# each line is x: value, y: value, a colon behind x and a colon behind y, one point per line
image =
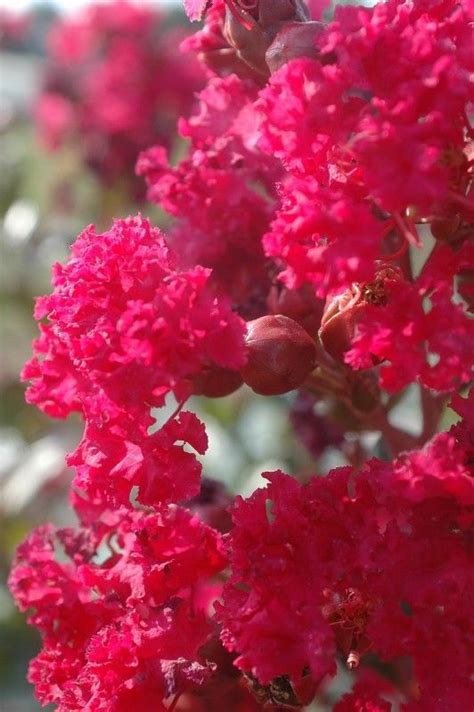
x: 14, y: 29
x: 222, y: 194
x: 114, y: 84
x: 322, y: 239
x: 375, y: 138
x: 370, y: 562
x: 126, y: 327
x: 110, y: 614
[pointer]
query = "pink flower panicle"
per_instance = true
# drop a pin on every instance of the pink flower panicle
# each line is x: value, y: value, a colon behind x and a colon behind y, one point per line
x: 125, y: 328
x: 221, y: 194
x: 109, y: 616
x: 321, y: 238
x: 115, y: 80
x: 354, y: 563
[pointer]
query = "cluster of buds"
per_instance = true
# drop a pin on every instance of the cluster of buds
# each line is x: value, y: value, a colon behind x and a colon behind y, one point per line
x: 268, y: 33
x: 284, y: 347
x: 281, y: 348
x: 261, y: 36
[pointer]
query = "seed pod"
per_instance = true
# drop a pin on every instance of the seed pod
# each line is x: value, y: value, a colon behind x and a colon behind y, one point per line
x: 280, y: 354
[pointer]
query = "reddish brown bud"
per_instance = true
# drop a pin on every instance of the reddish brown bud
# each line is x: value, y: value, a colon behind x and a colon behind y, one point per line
x: 226, y: 61
x: 340, y: 320
x: 212, y: 505
x: 445, y: 228
x: 363, y: 390
x: 295, y: 39
x: 301, y: 304
x: 251, y: 27
x: 216, y: 382
x: 344, y: 312
x: 280, y: 353
x: 305, y: 688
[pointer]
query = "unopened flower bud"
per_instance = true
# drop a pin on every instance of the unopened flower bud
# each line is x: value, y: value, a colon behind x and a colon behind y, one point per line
x: 300, y: 304
x: 216, y: 382
x: 344, y: 312
x: 251, y: 27
x: 280, y: 354
x: 212, y: 505
x: 339, y: 322
x: 363, y: 390
x: 295, y: 39
x: 444, y: 228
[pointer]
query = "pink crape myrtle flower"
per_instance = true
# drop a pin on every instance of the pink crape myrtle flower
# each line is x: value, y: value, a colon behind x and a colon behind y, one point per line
x: 346, y: 565
x: 320, y: 239
x: 110, y: 629
x: 124, y: 329
x: 114, y: 82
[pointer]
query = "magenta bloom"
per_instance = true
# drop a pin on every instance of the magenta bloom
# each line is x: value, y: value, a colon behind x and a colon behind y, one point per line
x: 116, y: 83
x: 321, y: 238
